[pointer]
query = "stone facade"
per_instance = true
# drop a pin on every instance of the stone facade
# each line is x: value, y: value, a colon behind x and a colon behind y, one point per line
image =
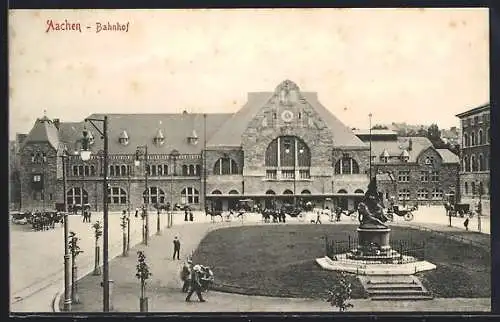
x: 475, y: 156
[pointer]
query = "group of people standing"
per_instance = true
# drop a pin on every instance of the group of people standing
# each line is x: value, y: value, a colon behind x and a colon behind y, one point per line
x: 196, y: 279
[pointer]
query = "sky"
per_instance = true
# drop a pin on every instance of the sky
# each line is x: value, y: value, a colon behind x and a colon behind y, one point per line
x: 419, y: 66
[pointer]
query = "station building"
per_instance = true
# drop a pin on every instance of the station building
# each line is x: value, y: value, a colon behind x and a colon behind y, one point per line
x: 281, y: 146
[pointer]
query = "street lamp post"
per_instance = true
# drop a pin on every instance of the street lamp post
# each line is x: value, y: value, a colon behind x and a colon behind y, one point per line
x: 143, y: 149
x: 67, y: 264
x: 370, y: 118
x: 85, y: 155
x: 173, y: 157
x: 479, y: 206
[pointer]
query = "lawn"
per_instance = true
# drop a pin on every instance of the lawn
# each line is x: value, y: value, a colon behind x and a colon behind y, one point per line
x: 279, y: 260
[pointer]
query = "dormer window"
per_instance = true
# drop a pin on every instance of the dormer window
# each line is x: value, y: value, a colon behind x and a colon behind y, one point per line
x: 385, y: 156
x: 159, y: 138
x: 405, y: 156
x: 428, y: 161
x: 123, y: 139
x: 193, y: 139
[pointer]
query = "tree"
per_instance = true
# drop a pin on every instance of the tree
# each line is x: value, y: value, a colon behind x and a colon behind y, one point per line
x: 143, y: 274
x: 341, y: 294
x: 433, y: 133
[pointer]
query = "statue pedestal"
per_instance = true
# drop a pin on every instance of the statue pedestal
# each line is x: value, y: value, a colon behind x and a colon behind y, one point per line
x: 373, y: 245
x: 373, y: 236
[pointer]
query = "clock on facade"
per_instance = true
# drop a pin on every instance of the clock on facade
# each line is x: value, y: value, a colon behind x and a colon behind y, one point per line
x: 287, y: 116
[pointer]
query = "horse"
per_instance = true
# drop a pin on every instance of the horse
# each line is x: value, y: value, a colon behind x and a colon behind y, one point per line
x: 213, y: 214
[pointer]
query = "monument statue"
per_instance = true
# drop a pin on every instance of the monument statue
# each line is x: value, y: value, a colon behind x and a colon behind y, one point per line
x: 370, y: 210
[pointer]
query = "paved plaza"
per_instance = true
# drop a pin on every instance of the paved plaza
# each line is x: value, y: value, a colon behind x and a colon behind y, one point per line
x: 34, y: 285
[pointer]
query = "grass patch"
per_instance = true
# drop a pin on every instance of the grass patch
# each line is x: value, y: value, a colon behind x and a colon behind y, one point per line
x: 279, y: 260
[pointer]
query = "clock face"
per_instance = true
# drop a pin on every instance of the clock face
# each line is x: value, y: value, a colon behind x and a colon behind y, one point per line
x: 287, y: 116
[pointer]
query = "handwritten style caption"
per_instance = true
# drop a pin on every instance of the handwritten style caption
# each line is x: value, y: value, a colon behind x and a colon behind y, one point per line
x: 67, y: 26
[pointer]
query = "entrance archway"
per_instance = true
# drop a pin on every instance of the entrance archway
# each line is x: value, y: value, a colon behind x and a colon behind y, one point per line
x: 343, y: 203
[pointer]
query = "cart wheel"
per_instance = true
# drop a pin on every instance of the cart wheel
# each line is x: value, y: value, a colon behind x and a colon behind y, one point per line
x: 408, y: 217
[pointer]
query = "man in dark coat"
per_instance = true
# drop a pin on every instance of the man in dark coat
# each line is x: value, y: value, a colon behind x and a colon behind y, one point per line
x: 177, y: 247
x: 195, y: 285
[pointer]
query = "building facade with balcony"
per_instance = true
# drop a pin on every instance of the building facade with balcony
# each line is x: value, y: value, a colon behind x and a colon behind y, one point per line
x: 475, y: 156
x: 410, y: 170
x: 282, y: 146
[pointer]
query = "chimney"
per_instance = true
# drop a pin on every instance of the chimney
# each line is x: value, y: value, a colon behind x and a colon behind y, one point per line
x: 56, y: 123
x: 410, y: 145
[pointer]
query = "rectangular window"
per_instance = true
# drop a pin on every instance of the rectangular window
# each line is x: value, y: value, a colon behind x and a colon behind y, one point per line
x: 50, y: 196
x: 304, y: 174
x: 476, y: 119
x: 404, y: 195
x: 287, y: 174
x: 435, y: 176
x: 271, y: 174
x: 37, y: 178
x: 424, y: 176
x: 403, y: 176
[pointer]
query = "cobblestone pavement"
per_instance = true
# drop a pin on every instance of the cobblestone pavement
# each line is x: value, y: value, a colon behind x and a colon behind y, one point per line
x: 164, y: 287
x: 38, y: 282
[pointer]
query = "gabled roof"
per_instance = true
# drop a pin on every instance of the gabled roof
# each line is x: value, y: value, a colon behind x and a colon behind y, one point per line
x: 395, y: 148
x: 232, y: 130
x: 229, y: 134
x: 142, y: 129
x: 44, y: 130
x: 448, y: 156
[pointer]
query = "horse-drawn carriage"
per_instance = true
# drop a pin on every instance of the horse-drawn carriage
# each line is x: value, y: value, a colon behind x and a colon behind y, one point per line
x: 75, y: 208
x: 401, y: 211
x: 458, y: 209
x: 19, y: 217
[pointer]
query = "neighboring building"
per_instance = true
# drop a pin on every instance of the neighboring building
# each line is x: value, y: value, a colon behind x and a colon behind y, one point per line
x: 279, y: 147
x: 475, y: 156
x: 410, y: 169
x: 14, y: 174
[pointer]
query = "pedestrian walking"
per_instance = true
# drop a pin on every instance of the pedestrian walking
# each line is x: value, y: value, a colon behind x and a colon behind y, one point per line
x: 191, y: 215
x: 186, y: 214
x: 466, y: 223
x: 195, y: 284
x: 318, y: 218
x: 177, y: 247
x: 186, y: 274
x: 136, y: 212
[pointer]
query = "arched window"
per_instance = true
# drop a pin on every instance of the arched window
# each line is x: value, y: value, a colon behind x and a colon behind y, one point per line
x: 198, y: 170
x: 184, y: 170
x: 153, y: 170
x: 481, y: 162
x: 86, y: 171
x: 342, y: 191
x: 117, y: 170
x: 156, y: 195
x: 359, y: 191
x: 305, y: 192
x: 473, y: 187
x: 467, y: 164
x: 466, y: 188
x: 288, y: 151
x: 480, y: 137
x: 192, y: 170
x: 225, y: 166
x: 123, y: 168
x: 117, y: 195
x: 75, y: 170
x: 160, y: 169
x: 473, y: 163
x: 270, y: 192
x: 81, y: 170
x: 346, y: 165
x: 466, y: 140
x: 473, y: 138
x: 422, y: 194
x: 234, y: 192
x: 92, y: 170
x: 190, y: 195
x: 165, y: 169
x: 288, y: 192
x: 74, y: 196
x: 216, y: 192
